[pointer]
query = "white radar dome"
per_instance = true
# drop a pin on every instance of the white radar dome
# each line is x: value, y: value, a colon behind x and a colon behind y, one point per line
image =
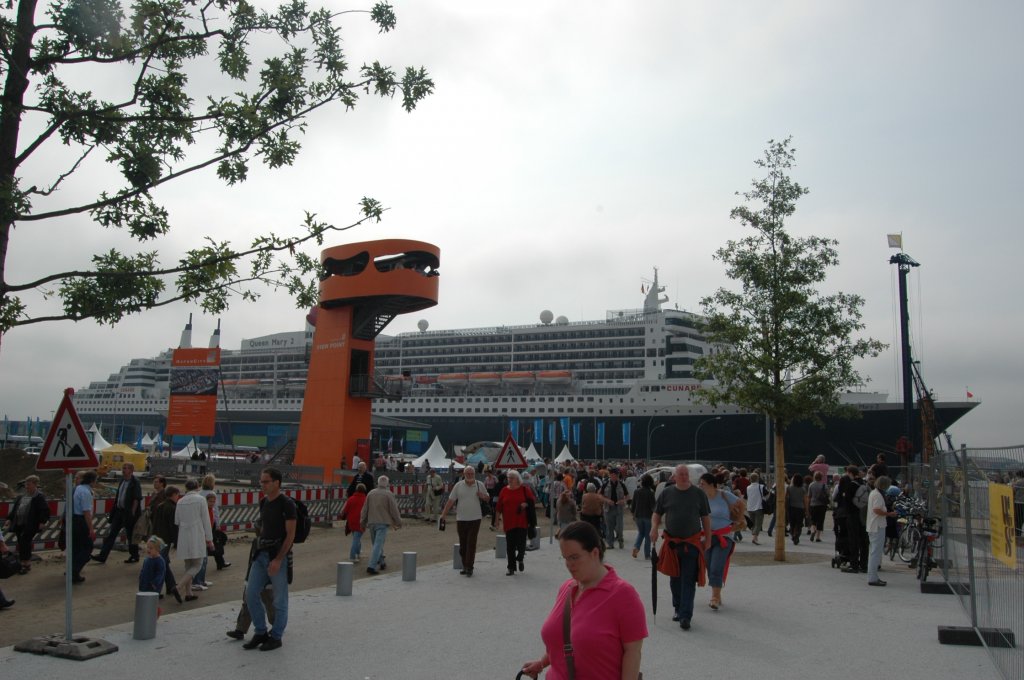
x: 423, y: 325
x: 562, y: 321
x: 546, y: 316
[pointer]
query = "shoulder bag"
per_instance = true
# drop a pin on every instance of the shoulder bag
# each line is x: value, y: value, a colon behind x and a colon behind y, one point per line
x: 570, y: 664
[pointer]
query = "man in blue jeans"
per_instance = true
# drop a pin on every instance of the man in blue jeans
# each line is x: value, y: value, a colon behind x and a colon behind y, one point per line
x: 687, y: 532
x: 379, y: 511
x: 278, y: 516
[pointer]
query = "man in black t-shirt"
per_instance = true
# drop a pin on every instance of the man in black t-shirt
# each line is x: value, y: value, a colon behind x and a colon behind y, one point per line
x: 278, y: 516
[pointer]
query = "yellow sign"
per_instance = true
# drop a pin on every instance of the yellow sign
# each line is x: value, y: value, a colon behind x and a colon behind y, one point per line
x: 1000, y: 505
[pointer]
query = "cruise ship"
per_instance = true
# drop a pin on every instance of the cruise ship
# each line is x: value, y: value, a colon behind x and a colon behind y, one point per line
x: 618, y: 388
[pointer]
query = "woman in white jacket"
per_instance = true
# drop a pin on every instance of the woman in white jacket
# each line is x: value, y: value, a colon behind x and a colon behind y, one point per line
x: 195, y: 534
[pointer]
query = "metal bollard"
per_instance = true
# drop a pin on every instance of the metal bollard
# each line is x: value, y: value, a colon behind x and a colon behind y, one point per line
x: 456, y: 557
x: 145, y: 615
x: 500, y: 547
x: 345, y: 572
x: 408, y: 566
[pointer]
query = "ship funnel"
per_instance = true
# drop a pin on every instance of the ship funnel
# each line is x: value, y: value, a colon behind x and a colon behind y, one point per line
x: 215, y: 338
x: 186, y: 335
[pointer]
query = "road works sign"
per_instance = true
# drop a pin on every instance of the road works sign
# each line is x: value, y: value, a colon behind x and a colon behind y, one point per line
x: 510, y: 456
x: 66, y: 446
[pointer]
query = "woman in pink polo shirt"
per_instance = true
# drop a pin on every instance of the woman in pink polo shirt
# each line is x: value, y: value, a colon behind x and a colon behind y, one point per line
x: 607, y: 625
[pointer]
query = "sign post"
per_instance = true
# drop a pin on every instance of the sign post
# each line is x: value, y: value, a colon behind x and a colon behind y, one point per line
x: 67, y: 448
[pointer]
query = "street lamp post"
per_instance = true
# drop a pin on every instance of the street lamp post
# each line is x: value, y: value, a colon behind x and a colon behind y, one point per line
x: 697, y: 431
x: 650, y: 433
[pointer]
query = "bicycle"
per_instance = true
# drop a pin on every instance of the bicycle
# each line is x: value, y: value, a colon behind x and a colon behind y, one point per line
x: 930, y: 532
x: 909, y: 511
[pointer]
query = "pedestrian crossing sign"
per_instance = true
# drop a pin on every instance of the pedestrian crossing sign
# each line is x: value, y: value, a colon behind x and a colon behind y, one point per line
x: 510, y: 456
x: 66, y: 446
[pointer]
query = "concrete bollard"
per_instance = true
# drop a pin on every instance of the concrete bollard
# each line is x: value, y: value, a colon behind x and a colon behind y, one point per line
x: 408, y: 566
x: 145, y: 615
x: 535, y: 542
x: 456, y: 557
x: 345, y: 573
x: 500, y: 547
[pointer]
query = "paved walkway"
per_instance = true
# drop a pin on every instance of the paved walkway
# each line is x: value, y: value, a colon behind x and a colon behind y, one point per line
x: 789, y: 621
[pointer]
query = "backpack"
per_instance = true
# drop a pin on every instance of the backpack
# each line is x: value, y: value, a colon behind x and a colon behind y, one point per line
x: 303, y: 523
x: 768, y: 501
x: 860, y: 497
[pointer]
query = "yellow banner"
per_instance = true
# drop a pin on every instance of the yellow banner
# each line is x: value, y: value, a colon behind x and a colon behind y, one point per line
x: 1000, y: 505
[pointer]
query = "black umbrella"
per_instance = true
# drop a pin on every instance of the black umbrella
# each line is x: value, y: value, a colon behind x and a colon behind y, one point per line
x: 654, y: 580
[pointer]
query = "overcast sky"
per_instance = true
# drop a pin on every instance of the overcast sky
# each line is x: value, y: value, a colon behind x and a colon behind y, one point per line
x: 572, y: 147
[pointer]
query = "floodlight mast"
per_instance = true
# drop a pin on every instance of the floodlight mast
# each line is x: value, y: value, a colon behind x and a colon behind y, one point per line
x: 904, y: 263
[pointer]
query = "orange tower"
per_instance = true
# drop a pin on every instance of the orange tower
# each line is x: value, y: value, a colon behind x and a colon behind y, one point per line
x: 363, y: 286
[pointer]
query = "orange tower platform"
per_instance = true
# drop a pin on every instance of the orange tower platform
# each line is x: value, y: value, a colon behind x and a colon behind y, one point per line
x: 363, y: 286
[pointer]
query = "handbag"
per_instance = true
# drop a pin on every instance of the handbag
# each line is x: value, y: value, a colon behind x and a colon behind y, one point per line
x: 9, y: 564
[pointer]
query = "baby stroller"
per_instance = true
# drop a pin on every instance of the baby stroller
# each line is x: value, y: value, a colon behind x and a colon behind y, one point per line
x: 842, y: 555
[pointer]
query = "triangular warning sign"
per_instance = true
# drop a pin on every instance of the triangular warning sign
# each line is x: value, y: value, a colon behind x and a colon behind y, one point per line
x: 510, y: 456
x: 66, y: 446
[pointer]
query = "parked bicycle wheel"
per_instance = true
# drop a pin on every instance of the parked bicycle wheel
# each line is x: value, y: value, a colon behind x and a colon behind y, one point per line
x: 907, y: 542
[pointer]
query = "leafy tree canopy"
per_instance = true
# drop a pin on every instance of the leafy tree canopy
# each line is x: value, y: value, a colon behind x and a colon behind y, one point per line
x: 162, y: 129
x: 781, y: 346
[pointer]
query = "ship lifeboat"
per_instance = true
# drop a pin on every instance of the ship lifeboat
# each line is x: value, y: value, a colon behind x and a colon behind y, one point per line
x: 484, y: 378
x: 426, y: 379
x: 396, y: 378
x: 452, y: 379
x: 518, y: 377
x: 554, y: 377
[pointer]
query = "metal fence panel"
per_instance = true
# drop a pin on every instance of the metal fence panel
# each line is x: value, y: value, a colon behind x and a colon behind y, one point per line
x: 995, y: 599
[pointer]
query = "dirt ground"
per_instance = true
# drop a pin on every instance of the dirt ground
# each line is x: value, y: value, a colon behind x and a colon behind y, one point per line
x: 108, y: 595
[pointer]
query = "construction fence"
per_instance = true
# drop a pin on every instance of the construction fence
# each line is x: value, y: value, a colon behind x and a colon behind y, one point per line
x: 980, y: 497
x: 238, y: 510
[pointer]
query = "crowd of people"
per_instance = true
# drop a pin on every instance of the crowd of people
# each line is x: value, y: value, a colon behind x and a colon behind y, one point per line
x: 689, y: 526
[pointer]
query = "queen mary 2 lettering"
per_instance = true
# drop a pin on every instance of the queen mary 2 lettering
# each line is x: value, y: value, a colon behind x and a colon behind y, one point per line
x: 610, y: 387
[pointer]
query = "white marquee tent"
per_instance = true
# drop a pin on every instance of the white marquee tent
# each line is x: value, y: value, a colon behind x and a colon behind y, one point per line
x: 531, y: 455
x: 186, y: 452
x: 565, y: 456
x: 436, y: 458
x: 98, y: 442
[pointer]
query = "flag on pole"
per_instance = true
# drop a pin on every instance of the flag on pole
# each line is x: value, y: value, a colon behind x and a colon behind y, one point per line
x: 895, y: 241
x: 625, y: 433
x: 576, y: 434
x: 538, y: 431
x: 970, y: 395
x: 391, y: 442
x: 513, y: 428
x: 551, y: 432
x: 563, y: 424
x: 600, y: 434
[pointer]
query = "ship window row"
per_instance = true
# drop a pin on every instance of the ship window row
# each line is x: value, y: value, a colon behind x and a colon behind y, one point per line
x: 575, y: 334
x: 384, y: 352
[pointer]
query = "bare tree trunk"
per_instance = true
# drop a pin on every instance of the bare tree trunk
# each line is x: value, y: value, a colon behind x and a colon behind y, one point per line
x: 780, y: 497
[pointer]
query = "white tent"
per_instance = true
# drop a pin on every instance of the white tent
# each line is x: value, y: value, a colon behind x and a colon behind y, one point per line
x: 147, y: 440
x: 436, y: 458
x: 186, y: 452
x: 98, y: 442
x: 565, y: 456
x: 531, y: 455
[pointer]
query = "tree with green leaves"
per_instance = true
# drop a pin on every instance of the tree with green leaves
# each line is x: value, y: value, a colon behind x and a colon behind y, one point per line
x: 781, y: 346
x: 153, y: 125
